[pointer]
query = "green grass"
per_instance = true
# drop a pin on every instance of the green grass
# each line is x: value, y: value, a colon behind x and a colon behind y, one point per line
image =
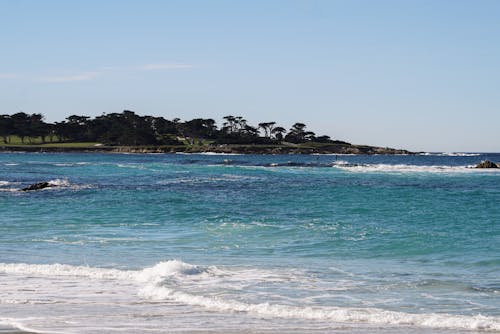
x: 319, y: 145
x: 15, y: 141
x: 84, y: 144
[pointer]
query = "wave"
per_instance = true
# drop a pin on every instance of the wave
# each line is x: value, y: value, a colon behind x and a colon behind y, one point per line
x: 53, y: 184
x: 164, y: 281
x: 362, y: 167
x: 298, y: 164
x: 450, y: 154
x: 65, y: 184
x: 372, y: 316
x: 201, y: 180
x: 208, y: 153
x: 16, y: 324
x: 7, y: 186
x: 401, y: 168
x: 56, y: 184
x: 158, y: 271
x: 60, y: 183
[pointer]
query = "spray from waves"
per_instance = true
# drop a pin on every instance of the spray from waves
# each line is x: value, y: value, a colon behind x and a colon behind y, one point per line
x: 154, y: 283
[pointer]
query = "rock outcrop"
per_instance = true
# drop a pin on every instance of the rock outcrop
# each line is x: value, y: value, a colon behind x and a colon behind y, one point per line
x: 486, y: 164
x: 38, y: 186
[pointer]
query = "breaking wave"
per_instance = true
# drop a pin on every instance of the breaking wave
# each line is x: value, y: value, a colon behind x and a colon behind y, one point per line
x: 53, y: 185
x: 164, y: 281
x: 451, y: 154
x: 336, y: 314
x: 401, y: 168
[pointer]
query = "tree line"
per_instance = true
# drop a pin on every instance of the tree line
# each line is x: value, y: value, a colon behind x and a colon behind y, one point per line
x: 128, y: 128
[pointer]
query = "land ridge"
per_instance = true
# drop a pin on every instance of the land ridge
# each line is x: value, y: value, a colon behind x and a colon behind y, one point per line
x: 133, y: 133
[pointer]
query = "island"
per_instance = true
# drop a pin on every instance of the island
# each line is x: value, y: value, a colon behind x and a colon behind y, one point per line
x: 133, y: 133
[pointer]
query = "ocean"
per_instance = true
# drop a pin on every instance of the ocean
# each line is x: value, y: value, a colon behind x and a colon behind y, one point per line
x: 193, y: 243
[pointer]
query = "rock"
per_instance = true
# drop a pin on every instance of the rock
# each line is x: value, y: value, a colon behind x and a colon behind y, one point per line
x: 486, y: 164
x: 37, y: 186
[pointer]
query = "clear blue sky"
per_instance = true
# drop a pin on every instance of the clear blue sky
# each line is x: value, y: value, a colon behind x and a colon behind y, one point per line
x: 421, y: 75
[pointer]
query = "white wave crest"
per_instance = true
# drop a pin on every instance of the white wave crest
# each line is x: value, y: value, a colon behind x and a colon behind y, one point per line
x: 451, y: 154
x: 400, y: 168
x: 60, y: 183
x: 65, y: 270
x: 65, y: 183
x: 208, y: 153
x: 166, y: 269
x: 4, y: 183
x: 150, y: 274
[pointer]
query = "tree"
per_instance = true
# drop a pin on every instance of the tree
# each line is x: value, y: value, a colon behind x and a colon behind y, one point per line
x: 229, y: 126
x: 6, y: 128
x: 128, y: 128
x: 20, y: 125
x: 297, y: 133
x: 77, y: 128
x: 37, y: 127
x: 278, y: 133
x: 323, y: 139
x: 267, y: 127
x: 198, y: 128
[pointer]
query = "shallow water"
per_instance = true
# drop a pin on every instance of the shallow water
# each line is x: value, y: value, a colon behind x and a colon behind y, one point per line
x: 229, y: 243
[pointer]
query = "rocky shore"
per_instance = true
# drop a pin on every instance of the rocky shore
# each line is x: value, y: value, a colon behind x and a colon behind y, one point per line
x: 487, y: 164
x: 228, y: 149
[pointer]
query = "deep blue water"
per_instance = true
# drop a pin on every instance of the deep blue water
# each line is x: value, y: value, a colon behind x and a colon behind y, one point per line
x: 290, y: 242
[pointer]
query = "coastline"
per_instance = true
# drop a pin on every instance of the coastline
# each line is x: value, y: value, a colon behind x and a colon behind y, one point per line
x: 228, y: 149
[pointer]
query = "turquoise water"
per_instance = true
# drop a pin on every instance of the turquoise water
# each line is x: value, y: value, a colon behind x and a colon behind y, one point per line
x: 145, y: 243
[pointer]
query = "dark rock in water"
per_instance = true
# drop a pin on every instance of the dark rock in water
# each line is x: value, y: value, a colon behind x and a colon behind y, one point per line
x: 486, y: 164
x: 37, y: 186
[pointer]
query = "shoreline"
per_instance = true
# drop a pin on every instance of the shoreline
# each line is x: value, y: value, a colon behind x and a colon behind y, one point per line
x: 220, y: 149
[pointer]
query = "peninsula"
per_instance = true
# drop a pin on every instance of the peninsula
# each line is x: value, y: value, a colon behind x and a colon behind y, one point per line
x: 129, y: 132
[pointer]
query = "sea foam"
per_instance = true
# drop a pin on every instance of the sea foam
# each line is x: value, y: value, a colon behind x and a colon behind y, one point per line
x: 153, y: 283
x: 372, y: 316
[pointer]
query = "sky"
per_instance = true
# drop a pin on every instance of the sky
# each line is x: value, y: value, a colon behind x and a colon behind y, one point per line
x: 422, y: 75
